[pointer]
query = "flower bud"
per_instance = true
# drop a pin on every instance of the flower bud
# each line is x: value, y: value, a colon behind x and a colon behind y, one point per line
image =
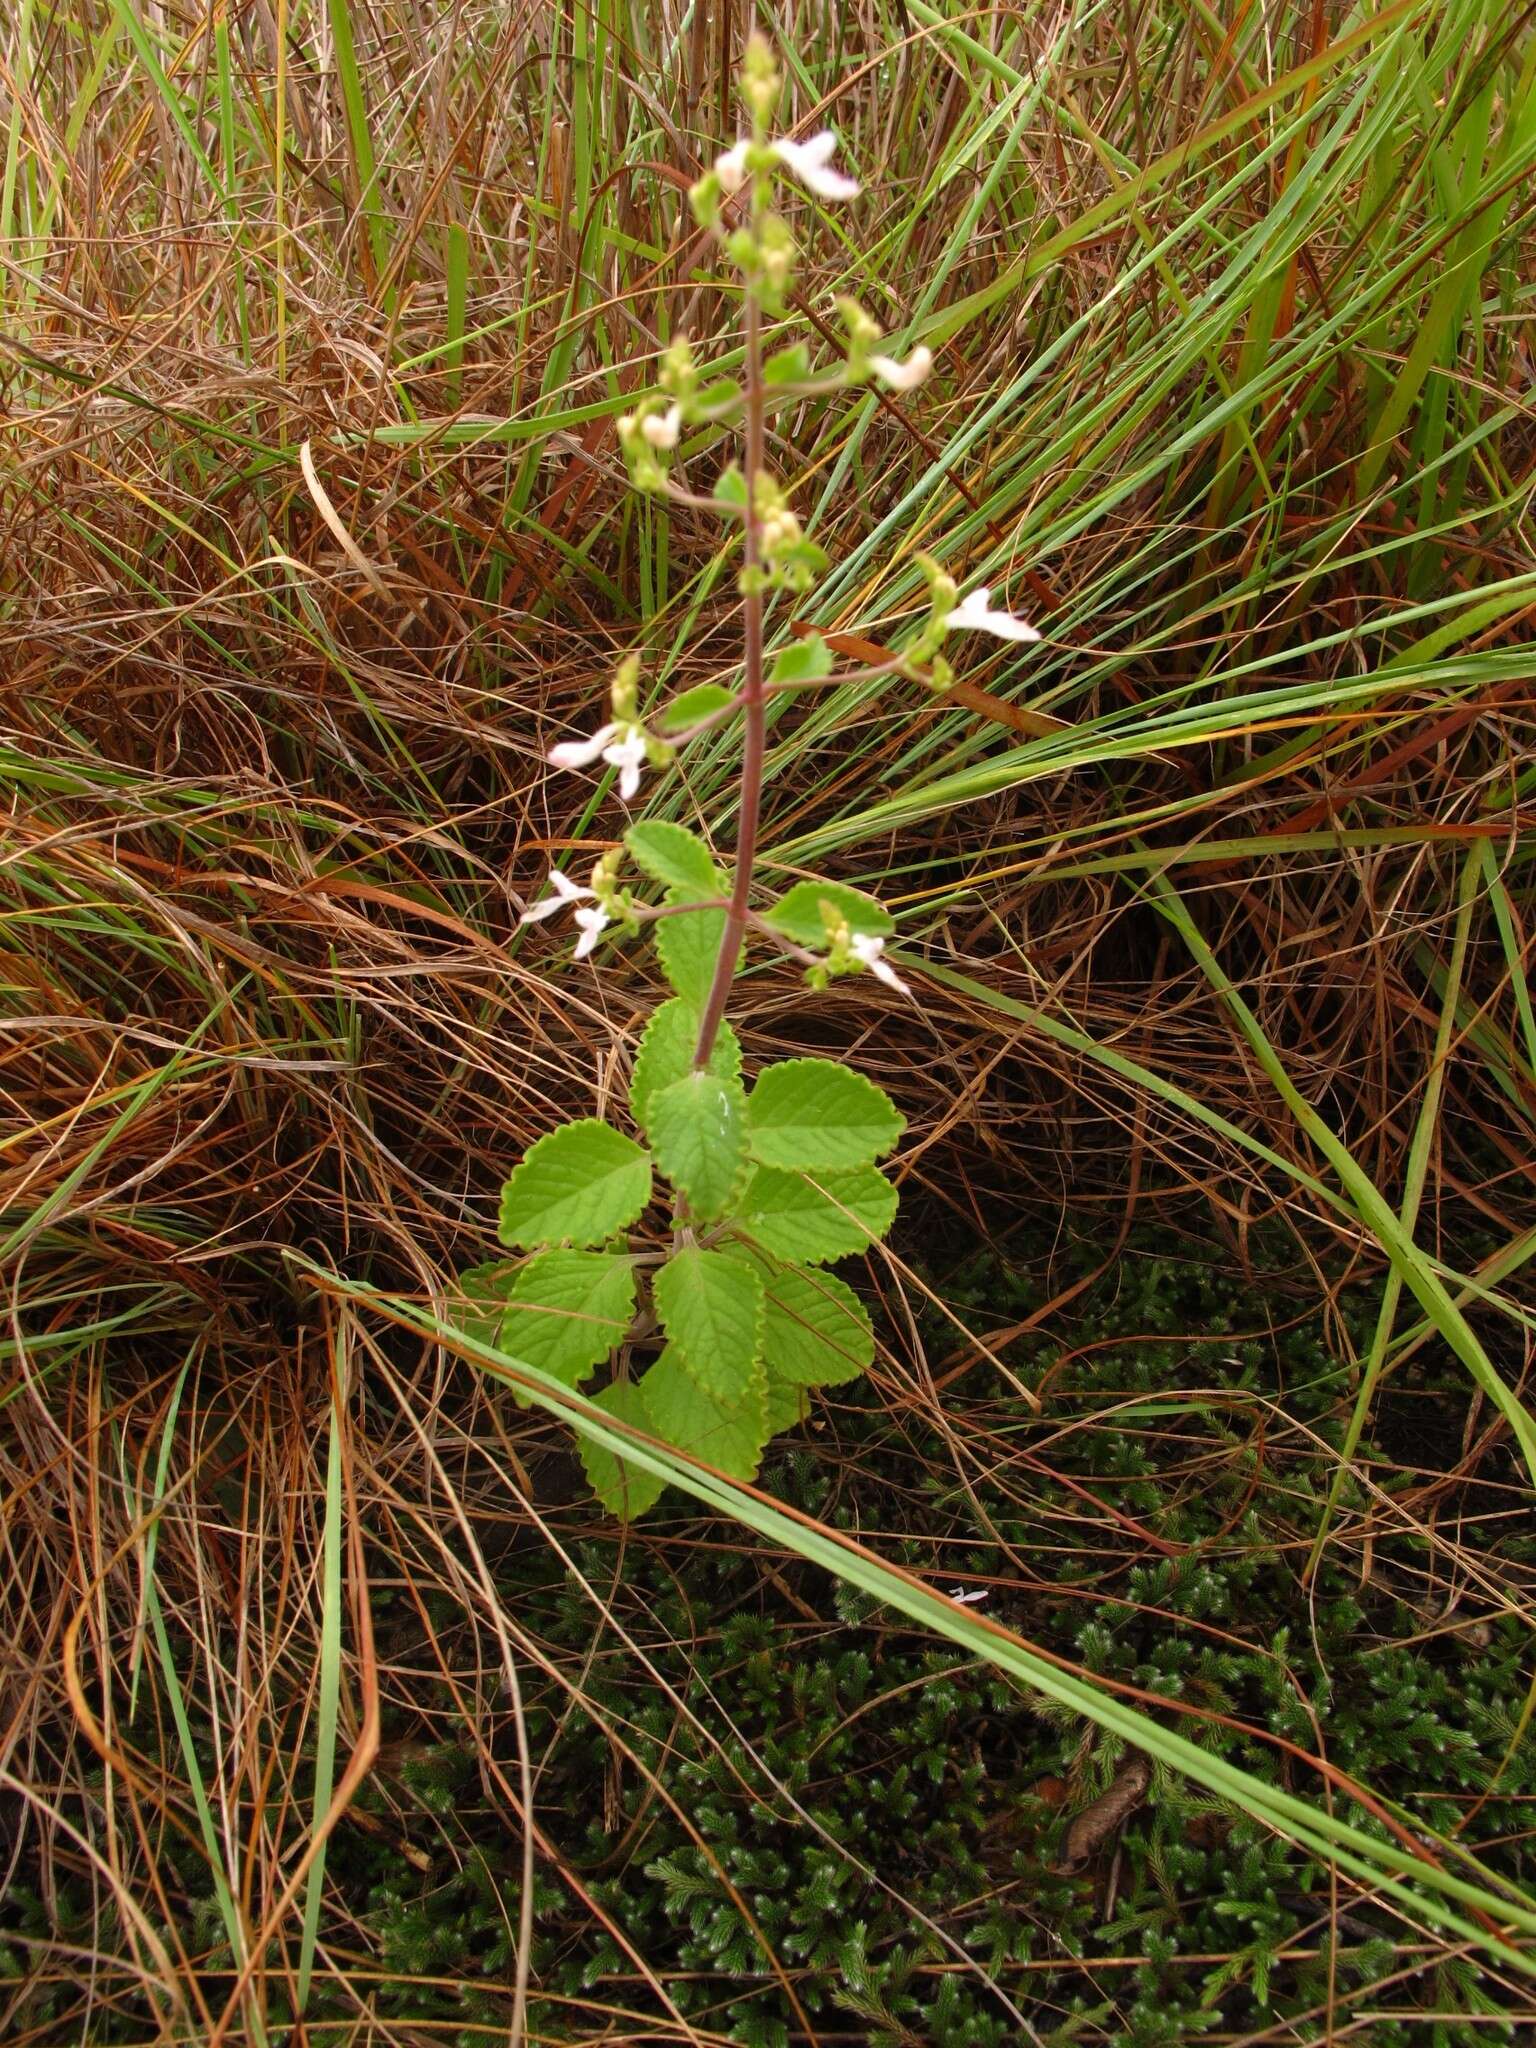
x: 760, y: 82
x: 679, y: 375
x: 741, y: 246
x: 704, y: 200
x: 624, y: 692
x: 776, y: 254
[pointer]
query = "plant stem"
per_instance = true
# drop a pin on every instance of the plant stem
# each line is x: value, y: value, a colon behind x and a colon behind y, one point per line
x: 756, y: 739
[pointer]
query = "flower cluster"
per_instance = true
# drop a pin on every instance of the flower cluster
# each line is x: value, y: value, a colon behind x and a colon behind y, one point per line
x: 864, y: 360
x: 624, y: 743
x: 733, y: 201
x: 609, y: 904
x: 949, y: 612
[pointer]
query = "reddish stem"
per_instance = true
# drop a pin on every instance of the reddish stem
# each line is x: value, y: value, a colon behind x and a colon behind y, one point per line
x: 756, y: 741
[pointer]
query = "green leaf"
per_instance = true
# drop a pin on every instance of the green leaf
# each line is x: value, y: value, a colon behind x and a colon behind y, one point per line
x: 698, y: 1132
x: 693, y: 706
x: 561, y: 1312
x: 787, y: 1405
x: 731, y: 487
x: 485, y: 1290
x: 816, y: 1331
x: 580, y: 1184
x: 805, y: 556
x: 790, y: 365
x: 840, y: 1213
x: 673, y: 855
x: 624, y: 1489
x: 711, y: 1307
x: 727, y: 1434
x: 665, y: 1054
x: 818, y: 1117
x: 803, y: 661
x: 798, y: 912
x: 689, y: 946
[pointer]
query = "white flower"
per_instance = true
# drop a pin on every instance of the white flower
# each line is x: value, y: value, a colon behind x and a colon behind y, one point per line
x: 867, y: 950
x: 808, y: 161
x: 566, y: 891
x: 731, y: 169
x: 963, y: 1599
x: 975, y: 611
x: 581, y: 753
x: 592, y: 919
x: 621, y: 746
x: 903, y: 376
x: 628, y: 754
x: 593, y: 922
x: 661, y: 429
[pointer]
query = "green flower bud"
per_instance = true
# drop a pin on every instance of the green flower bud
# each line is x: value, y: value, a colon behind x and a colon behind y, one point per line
x: 776, y: 255
x: 760, y: 82
x: 605, y: 877
x: 679, y: 374
x: 943, y: 592
x: 704, y: 200
x: 624, y: 693
x: 864, y: 333
x: 741, y: 246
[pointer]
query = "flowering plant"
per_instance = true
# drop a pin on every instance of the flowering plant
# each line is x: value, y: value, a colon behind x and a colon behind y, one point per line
x: 729, y: 1298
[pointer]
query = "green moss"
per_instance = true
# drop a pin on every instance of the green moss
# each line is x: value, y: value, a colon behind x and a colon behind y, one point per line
x: 846, y: 1797
x: 769, y: 1773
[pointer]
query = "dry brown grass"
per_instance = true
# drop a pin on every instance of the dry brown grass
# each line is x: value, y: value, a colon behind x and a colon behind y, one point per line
x: 277, y: 799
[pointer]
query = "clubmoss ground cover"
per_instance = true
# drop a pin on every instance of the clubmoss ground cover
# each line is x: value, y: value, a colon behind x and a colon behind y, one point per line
x: 797, y: 1811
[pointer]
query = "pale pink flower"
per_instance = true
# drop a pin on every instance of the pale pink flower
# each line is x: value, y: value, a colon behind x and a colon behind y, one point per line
x: 731, y: 169
x: 621, y: 746
x: 593, y: 923
x: 974, y: 611
x: 809, y: 161
x: 592, y: 918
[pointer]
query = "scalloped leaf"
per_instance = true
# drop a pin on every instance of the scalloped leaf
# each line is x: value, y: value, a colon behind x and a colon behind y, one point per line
x: 675, y: 857
x: 578, y: 1184
x: 803, y: 661
x: 560, y: 1312
x: 665, y: 1054
x: 798, y: 912
x: 731, y: 487
x: 815, y: 1116
x: 692, y: 707
x: 805, y: 1221
x: 698, y: 1131
x: 816, y: 1331
x: 787, y: 1405
x: 689, y: 945
x: 711, y: 1307
x: 790, y: 365
x: 729, y: 1435
x: 625, y: 1490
